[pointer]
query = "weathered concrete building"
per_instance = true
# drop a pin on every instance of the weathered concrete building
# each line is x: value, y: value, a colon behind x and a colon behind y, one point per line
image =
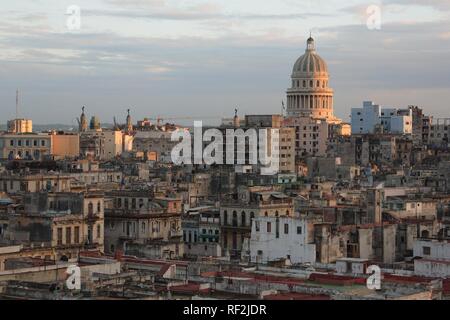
x: 139, y: 224
x: 278, y: 238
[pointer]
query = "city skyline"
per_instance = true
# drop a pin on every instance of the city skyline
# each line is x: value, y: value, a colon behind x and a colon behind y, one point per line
x: 204, y: 58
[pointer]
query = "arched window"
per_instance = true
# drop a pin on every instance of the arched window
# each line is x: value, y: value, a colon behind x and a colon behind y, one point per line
x: 235, y: 220
x: 99, y: 231
x: 90, y: 208
x: 143, y: 226
x: 266, y: 214
x: 243, y: 222
x: 225, y: 218
x: 99, y: 207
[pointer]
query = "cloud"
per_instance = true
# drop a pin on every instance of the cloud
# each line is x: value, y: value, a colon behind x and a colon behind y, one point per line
x: 442, y: 5
x: 247, y: 66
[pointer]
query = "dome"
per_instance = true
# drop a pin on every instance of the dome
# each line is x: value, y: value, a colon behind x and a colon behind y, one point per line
x: 310, y: 62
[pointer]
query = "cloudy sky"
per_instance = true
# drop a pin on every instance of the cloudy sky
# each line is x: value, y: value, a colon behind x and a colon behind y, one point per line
x: 202, y: 58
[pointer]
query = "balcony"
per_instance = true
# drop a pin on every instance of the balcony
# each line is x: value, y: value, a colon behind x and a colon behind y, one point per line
x: 92, y: 217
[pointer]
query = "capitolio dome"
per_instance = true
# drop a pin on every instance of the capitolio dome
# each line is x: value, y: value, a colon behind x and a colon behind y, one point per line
x: 310, y: 62
x: 309, y: 94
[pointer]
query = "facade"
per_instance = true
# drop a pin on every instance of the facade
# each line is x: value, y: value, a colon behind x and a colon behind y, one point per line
x: 286, y: 138
x: 372, y: 118
x: 24, y: 183
x: 236, y: 216
x: 420, y: 126
x: 30, y: 146
x: 433, y: 257
x: 66, y: 222
x: 440, y: 133
x: 65, y: 144
x: 20, y: 126
x: 104, y: 144
x: 155, y: 141
x: 201, y: 232
x: 277, y: 238
x: 139, y: 224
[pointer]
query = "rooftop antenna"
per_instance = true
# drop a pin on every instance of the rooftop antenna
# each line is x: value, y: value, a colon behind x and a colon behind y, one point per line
x: 17, y: 103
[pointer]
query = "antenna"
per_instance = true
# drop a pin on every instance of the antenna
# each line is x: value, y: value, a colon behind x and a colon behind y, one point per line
x: 17, y: 103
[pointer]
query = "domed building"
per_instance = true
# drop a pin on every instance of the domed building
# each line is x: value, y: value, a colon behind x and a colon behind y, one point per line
x: 310, y: 105
x: 310, y: 94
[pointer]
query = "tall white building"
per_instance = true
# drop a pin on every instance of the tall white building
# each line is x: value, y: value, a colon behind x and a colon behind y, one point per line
x: 372, y: 118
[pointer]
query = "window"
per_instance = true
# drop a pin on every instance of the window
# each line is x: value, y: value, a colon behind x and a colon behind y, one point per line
x: 76, y: 236
x: 299, y: 230
x: 225, y: 218
x: 42, y: 143
x: 90, y: 208
x: 269, y: 227
x: 59, y: 236
x: 68, y: 235
x: 225, y: 240
x: 99, y: 207
x: 235, y: 222
x: 243, y: 218
x: 99, y: 231
x: 426, y: 251
x: 143, y: 226
x: 286, y: 228
x: 257, y: 226
x: 11, y: 143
